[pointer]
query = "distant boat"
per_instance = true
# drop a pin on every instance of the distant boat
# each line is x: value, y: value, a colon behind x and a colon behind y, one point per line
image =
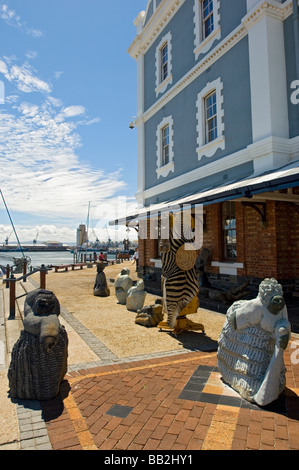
x: 7, y: 249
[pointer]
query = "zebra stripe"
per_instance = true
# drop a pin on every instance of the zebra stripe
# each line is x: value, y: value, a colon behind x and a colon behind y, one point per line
x: 179, y: 286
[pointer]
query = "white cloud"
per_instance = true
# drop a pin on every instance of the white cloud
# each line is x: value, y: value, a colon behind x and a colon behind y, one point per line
x: 41, y: 173
x: 31, y: 54
x: 12, y: 19
x: 26, y: 80
x: 23, y: 76
x: 71, y: 111
x: 58, y: 74
x: 63, y: 234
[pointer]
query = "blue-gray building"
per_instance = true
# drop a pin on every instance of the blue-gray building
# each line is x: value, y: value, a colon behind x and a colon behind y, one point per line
x: 218, y: 124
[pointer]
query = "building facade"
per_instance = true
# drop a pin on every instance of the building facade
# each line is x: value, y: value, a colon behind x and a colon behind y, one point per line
x: 218, y: 125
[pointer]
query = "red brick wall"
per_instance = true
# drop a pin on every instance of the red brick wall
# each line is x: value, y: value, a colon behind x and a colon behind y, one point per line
x: 271, y: 251
x: 287, y: 237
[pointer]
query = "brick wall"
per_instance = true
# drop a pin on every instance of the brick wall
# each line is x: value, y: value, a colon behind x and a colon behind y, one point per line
x: 265, y: 251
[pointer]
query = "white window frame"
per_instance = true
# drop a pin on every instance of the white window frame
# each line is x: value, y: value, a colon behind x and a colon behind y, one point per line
x: 164, y: 170
x: 161, y: 85
x: 201, y: 44
x: 205, y: 148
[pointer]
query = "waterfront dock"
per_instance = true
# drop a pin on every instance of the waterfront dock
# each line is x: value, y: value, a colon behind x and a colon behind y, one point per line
x: 132, y: 388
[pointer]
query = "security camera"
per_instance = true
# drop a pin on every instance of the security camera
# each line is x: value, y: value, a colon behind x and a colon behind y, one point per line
x: 131, y: 125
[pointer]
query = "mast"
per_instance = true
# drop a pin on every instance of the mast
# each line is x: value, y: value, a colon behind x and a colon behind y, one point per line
x: 87, y: 226
x: 19, y: 244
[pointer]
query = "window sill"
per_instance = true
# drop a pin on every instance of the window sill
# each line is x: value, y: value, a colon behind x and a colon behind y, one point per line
x: 163, y: 85
x: 210, y: 149
x: 157, y: 262
x: 230, y: 268
x: 206, y: 45
x: 165, y: 170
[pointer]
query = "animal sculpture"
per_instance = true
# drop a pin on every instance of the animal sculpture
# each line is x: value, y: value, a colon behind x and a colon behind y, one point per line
x: 251, y: 345
x: 179, y: 279
x: 39, y: 357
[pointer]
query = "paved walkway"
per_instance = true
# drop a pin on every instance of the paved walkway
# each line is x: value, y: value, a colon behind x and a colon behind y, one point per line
x: 175, y: 401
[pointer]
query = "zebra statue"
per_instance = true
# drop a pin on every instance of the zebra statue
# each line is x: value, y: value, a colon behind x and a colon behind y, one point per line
x: 180, y: 285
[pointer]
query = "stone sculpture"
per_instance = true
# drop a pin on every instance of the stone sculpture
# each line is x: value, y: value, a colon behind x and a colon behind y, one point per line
x: 251, y: 345
x: 100, y: 288
x: 149, y: 315
x: 136, y: 297
x: 123, y: 282
x: 39, y: 357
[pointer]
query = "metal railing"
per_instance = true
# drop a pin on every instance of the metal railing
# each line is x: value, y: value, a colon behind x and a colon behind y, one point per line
x: 11, y: 281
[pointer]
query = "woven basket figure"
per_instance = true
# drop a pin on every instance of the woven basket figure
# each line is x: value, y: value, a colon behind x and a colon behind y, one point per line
x: 180, y: 285
x: 185, y: 259
x: 39, y: 357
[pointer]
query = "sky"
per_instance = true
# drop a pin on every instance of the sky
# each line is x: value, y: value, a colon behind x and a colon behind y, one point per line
x: 67, y: 95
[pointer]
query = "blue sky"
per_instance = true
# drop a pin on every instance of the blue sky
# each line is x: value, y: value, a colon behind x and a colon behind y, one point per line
x: 70, y: 93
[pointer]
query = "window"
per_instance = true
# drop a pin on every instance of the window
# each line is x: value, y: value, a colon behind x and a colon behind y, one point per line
x: 165, y: 145
x: 206, y: 25
x: 207, y: 18
x: 164, y: 64
x: 210, y: 119
x: 164, y: 142
x: 229, y: 230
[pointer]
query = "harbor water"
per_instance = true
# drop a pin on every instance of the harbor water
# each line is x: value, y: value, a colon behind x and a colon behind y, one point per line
x: 47, y: 258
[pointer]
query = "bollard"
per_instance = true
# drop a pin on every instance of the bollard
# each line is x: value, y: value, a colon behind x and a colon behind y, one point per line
x: 43, y: 271
x: 24, y: 270
x: 7, y: 275
x: 12, y: 297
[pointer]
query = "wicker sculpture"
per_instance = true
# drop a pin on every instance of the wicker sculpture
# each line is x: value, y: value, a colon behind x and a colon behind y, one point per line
x: 39, y: 357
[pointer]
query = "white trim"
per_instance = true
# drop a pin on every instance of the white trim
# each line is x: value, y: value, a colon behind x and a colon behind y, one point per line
x: 228, y: 268
x: 286, y: 148
x: 154, y: 27
x: 209, y: 149
x: 164, y: 170
x: 268, y: 82
x: 203, y: 46
x: 157, y: 262
x: 162, y: 85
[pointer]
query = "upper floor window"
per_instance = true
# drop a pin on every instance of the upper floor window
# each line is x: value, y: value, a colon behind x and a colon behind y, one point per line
x: 206, y: 25
x: 207, y: 18
x: 164, y: 145
x: 210, y: 119
x: 164, y: 64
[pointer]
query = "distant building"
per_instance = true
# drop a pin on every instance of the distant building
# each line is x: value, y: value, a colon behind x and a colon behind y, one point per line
x: 218, y: 125
x: 81, y: 235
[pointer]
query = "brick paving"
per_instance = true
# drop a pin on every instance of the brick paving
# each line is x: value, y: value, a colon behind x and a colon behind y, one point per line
x: 176, y: 403
x: 170, y: 401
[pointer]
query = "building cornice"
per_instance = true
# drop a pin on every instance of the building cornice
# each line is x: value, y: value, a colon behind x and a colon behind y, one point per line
x: 161, y: 17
